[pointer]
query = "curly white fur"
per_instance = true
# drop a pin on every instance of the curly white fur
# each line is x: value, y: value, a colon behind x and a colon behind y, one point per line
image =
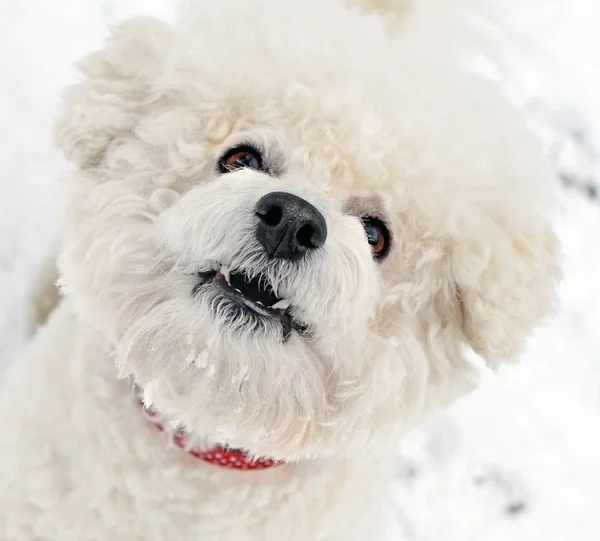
x: 358, y: 123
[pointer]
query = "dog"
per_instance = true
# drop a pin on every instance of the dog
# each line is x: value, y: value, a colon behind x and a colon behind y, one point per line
x: 288, y: 232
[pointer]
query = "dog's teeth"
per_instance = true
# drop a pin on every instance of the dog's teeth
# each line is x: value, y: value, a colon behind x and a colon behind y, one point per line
x: 283, y: 304
x: 258, y: 302
x: 226, y: 274
x: 238, y: 291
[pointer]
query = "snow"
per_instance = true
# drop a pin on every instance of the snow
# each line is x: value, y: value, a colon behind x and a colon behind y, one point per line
x: 519, y: 459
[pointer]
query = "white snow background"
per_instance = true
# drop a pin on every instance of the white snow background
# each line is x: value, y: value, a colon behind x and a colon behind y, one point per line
x: 519, y: 459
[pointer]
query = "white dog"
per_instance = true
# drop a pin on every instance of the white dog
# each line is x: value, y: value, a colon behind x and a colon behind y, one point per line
x: 286, y: 231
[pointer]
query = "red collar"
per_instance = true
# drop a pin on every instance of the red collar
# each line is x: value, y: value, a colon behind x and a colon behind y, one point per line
x: 226, y: 458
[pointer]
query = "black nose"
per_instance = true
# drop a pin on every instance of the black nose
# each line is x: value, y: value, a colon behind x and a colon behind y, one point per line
x: 289, y: 226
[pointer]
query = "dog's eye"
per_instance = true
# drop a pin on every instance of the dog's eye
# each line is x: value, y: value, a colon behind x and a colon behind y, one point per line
x: 239, y: 158
x: 378, y: 236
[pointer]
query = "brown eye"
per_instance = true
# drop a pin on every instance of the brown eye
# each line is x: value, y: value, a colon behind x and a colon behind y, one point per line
x: 378, y: 236
x: 240, y: 158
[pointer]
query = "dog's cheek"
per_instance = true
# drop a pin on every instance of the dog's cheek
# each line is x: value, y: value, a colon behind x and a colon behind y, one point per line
x: 109, y: 252
x: 374, y: 394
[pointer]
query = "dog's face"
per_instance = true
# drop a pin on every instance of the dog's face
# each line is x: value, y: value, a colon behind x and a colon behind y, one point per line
x: 292, y: 248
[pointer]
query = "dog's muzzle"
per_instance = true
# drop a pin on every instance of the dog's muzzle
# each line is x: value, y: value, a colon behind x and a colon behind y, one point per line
x: 288, y: 228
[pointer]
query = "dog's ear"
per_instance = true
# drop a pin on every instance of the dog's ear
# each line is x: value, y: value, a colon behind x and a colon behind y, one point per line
x: 506, y: 283
x: 108, y: 103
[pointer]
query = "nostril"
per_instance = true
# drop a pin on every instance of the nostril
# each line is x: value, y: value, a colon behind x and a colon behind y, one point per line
x: 305, y: 236
x: 272, y: 216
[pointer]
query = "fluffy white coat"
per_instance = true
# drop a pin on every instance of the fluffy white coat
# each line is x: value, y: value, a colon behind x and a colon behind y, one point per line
x: 359, y: 121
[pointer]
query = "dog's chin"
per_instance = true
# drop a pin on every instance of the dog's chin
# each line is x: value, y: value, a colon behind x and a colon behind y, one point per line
x: 233, y: 360
x: 196, y: 443
x: 247, y: 304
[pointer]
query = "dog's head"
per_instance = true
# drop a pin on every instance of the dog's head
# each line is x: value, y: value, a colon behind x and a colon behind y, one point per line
x: 292, y: 228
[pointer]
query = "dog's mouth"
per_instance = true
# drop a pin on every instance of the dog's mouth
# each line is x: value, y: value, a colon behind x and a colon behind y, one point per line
x: 253, y: 295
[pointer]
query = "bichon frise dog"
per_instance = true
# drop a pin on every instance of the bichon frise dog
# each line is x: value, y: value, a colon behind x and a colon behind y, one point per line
x: 287, y: 230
